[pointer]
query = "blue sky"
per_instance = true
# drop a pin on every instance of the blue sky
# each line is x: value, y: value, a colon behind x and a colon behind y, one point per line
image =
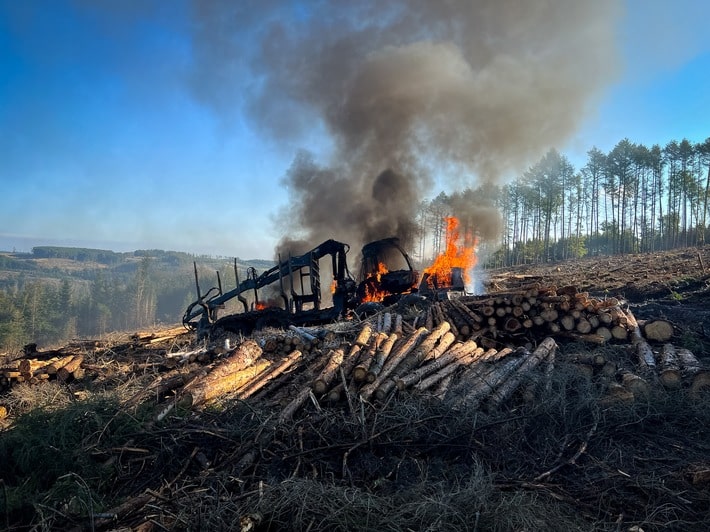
x: 112, y: 135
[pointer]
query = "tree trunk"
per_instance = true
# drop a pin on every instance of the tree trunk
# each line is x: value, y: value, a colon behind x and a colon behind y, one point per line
x: 503, y: 392
x: 232, y: 373
x: 392, y: 361
x: 321, y: 384
x: 269, y: 376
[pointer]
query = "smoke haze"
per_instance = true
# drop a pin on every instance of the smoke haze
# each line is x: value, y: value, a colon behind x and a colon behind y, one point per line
x: 403, y: 92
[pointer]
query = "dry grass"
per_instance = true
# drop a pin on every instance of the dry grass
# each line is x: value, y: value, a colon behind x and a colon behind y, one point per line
x: 560, y: 462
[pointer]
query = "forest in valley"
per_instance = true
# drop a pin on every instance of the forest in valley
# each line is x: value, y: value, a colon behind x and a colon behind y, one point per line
x: 634, y: 199
x: 54, y: 294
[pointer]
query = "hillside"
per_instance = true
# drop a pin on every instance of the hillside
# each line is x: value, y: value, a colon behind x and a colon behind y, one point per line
x: 56, y: 293
x: 542, y: 428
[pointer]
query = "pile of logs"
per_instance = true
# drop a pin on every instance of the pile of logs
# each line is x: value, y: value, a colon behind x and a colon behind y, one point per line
x: 62, y: 365
x: 533, y: 312
x: 472, y: 352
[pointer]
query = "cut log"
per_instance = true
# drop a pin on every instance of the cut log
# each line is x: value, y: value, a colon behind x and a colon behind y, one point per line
x: 381, y: 355
x: 506, y: 389
x: 359, y: 372
x: 210, y: 387
x: 444, y: 343
x: 644, y: 352
x: 269, y: 376
x: 616, y: 394
x: 604, y: 332
x: 635, y: 384
x: 484, y: 382
x: 583, y: 326
x: 701, y: 384
x: 27, y: 365
x: 232, y: 373
x: 322, y: 383
x: 71, y: 370
x: 413, y: 359
x: 689, y: 364
x: 658, y: 330
x: 448, y: 369
x: 567, y: 322
x: 302, y: 332
x: 292, y: 407
x: 392, y: 361
x: 669, y: 375
x: 436, y: 364
x: 398, y: 324
x: 619, y: 332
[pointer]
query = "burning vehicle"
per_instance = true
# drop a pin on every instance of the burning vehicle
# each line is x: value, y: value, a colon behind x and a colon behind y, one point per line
x: 299, y: 296
x: 295, y: 294
x: 449, y: 275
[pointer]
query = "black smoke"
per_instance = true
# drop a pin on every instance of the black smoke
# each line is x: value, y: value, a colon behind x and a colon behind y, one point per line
x: 401, y: 92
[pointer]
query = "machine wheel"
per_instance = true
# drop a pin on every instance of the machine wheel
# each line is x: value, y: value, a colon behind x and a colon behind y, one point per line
x: 238, y: 324
x: 272, y: 317
x: 368, y: 309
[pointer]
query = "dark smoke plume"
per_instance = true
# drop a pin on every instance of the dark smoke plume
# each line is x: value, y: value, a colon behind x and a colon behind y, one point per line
x: 403, y: 91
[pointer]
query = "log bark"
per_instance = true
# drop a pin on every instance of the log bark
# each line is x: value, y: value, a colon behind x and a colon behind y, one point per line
x: 232, y: 373
x: 669, y: 375
x: 269, y: 376
x: 503, y: 392
x: 392, y: 361
x: 322, y: 383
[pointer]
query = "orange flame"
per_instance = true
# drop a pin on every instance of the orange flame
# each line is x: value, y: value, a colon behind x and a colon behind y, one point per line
x: 373, y: 293
x: 460, y: 253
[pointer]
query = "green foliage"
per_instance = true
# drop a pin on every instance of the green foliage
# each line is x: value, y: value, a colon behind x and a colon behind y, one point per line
x: 101, y: 256
x: 45, y: 458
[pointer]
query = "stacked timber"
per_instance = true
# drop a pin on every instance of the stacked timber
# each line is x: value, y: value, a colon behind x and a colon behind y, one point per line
x: 471, y: 352
x: 534, y: 313
x: 42, y: 367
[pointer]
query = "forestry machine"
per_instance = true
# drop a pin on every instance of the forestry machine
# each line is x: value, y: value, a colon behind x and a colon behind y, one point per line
x: 298, y: 292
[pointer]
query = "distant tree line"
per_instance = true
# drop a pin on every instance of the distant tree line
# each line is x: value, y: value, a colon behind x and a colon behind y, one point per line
x: 127, y: 292
x: 632, y: 199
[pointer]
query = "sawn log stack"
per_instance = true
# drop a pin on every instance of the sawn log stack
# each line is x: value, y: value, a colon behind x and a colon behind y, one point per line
x: 473, y: 352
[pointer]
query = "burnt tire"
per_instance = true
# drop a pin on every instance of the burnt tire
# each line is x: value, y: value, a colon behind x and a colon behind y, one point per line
x: 274, y: 318
x: 368, y: 309
x: 238, y: 324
